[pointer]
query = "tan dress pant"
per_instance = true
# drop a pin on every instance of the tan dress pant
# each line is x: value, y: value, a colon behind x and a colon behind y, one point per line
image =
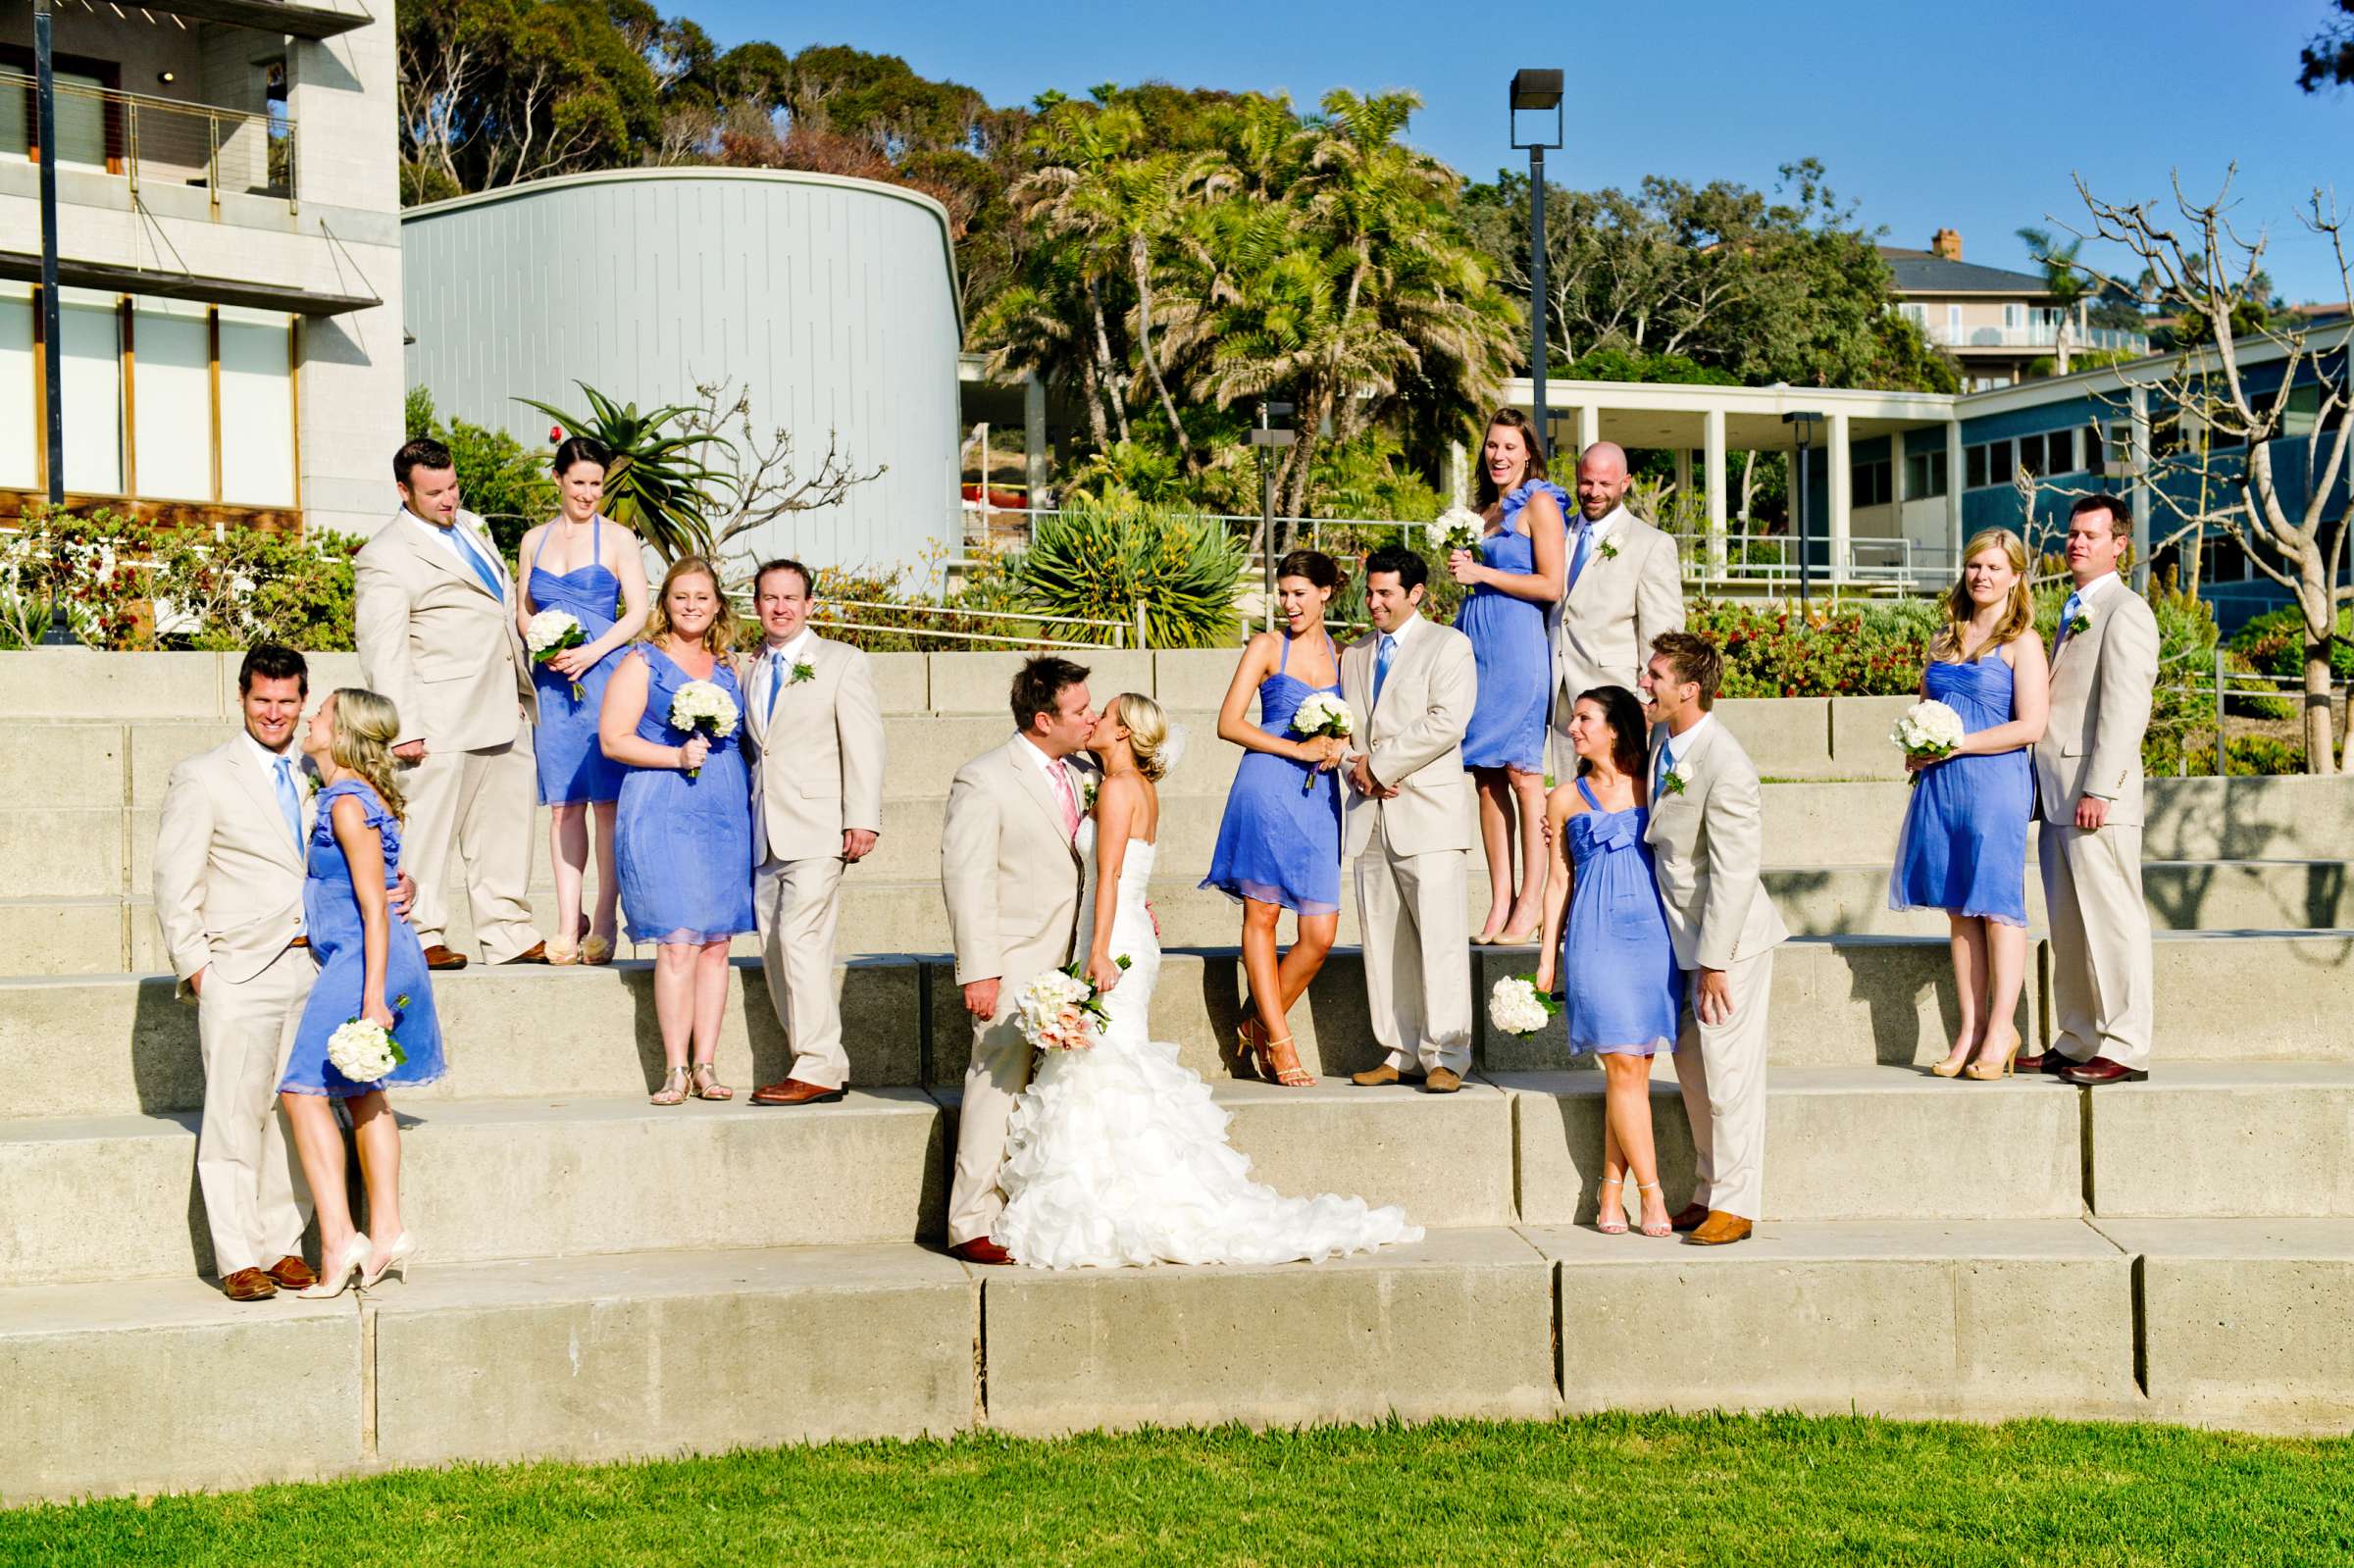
x: 1417, y: 945
x: 999, y: 1073
x: 797, y: 903
x: 2102, y: 967
x: 1721, y: 1070
x: 481, y: 804
x: 255, y: 1200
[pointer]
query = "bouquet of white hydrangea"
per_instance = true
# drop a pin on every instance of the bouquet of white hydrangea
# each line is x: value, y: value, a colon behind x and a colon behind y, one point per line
x: 1928, y: 730
x: 1061, y: 1010
x: 1458, y: 528
x: 549, y: 633
x: 703, y: 705
x: 364, y: 1052
x: 1518, y: 1007
x: 1321, y: 714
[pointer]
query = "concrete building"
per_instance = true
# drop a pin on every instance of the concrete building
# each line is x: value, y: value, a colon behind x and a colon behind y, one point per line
x: 229, y: 261
x: 1996, y: 323
x: 832, y: 301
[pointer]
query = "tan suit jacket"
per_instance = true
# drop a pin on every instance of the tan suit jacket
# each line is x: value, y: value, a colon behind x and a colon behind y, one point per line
x: 1008, y: 868
x: 437, y: 642
x: 2102, y: 682
x: 1608, y: 618
x: 827, y: 771
x: 1709, y: 841
x: 227, y: 875
x: 1414, y: 737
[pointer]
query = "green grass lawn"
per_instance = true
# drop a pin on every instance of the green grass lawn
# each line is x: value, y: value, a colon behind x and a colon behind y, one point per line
x: 1599, y: 1490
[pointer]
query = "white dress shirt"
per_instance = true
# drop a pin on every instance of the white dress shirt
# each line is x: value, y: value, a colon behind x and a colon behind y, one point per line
x: 1600, y: 528
x: 453, y: 540
x: 780, y: 660
x: 2096, y: 587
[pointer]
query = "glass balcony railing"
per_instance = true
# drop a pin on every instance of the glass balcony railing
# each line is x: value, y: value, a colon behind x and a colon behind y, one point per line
x: 2035, y: 334
x: 154, y: 141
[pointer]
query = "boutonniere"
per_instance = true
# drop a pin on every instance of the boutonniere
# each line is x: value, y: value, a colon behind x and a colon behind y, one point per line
x: 802, y: 671
x: 310, y: 782
x: 1609, y: 550
x: 1672, y: 783
x: 1087, y: 799
x: 2077, y: 627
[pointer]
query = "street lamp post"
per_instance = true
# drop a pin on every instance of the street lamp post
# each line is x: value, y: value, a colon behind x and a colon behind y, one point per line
x: 1268, y: 440
x: 52, y: 347
x: 1804, y: 421
x: 1536, y: 90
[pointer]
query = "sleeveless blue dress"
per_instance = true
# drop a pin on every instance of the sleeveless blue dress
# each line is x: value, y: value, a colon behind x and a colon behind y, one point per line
x: 331, y: 917
x: 1963, y: 847
x: 573, y: 768
x: 1280, y: 840
x: 685, y: 846
x: 1617, y: 963
x: 1513, y: 648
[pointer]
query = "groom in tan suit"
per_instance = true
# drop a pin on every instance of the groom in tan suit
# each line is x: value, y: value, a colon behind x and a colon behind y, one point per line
x: 2088, y: 791
x: 1708, y: 840
x: 1410, y: 687
x: 815, y: 735
x: 1623, y: 588
x: 1009, y: 867
x: 433, y: 615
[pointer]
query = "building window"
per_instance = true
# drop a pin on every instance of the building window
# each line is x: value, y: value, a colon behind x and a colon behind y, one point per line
x: 2050, y: 453
x: 1926, y: 474
x: 91, y: 373
x: 1868, y: 483
x: 91, y: 128
x: 2096, y: 449
x: 19, y: 390
x: 171, y: 399
x: 1973, y: 468
x: 2011, y: 318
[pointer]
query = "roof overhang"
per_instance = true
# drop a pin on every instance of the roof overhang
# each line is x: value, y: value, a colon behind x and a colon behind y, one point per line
x: 266, y: 15
x: 18, y: 267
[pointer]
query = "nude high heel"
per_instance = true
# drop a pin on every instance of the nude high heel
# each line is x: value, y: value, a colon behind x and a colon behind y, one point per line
x: 1988, y: 1073
x: 396, y: 1261
x: 333, y: 1280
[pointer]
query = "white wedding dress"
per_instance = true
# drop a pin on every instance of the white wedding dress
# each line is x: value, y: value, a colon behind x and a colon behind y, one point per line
x: 1118, y: 1155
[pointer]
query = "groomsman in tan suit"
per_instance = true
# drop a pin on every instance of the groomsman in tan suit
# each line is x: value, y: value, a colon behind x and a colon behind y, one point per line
x: 1624, y: 587
x: 815, y: 736
x: 434, y: 618
x: 2088, y: 791
x: 229, y: 874
x: 1010, y: 866
x: 1411, y: 686
x: 1708, y: 838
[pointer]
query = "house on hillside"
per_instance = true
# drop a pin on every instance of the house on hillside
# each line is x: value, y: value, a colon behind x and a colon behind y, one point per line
x: 1995, y: 322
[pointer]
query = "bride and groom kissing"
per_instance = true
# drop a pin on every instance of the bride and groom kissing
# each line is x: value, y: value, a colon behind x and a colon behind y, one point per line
x: 1116, y: 1154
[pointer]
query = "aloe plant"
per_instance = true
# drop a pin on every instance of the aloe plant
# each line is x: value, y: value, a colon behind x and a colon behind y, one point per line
x: 657, y: 483
x: 1099, y: 559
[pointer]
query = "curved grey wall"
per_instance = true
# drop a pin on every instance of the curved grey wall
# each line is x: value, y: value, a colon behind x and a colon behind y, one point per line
x: 835, y: 299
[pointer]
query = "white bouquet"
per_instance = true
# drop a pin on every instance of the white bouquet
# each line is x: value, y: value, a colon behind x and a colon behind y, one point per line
x: 703, y: 705
x: 1458, y: 528
x: 1518, y: 1007
x: 1321, y: 714
x: 364, y: 1052
x: 549, y: 633
x: 1928, y: 730
x: 1063, y: 1010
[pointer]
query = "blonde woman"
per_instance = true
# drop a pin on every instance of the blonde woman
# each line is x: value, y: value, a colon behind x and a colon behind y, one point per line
x: 1964, y: 849
x: 1117, y: 1155
x: 684, y: 842
x: 372, y: 967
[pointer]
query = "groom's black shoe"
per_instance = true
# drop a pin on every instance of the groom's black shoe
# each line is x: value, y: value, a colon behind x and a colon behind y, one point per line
x: 980, y: 1250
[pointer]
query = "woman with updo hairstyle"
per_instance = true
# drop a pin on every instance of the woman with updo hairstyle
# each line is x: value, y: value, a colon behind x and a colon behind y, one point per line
x: 370, y: 968
x: 1279, y: 844
x: 587, y: 566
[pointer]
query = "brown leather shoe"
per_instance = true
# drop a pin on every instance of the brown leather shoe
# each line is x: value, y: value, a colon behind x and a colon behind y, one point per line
x: 1375, y: 1077
x: 440, y: 957
x: 1719, y: 1229
x: 2101, y: 1070
x: 1441, y: 1081
x: 1688, y: 1217
x: 536, y: 953
x: 980, y: 1250
x: 290, y: 1272
x: 249, y: 1284
x: 2050, y: 1063
x: 792, y: 1092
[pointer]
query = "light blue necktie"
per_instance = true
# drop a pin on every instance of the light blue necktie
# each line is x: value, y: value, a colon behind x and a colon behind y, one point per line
x: 1666, y: 766
x: 289, y: 801
x: 1382, y: 654
x: 482, y: 568
x: 776, y: 681
x: 2069, y: 610
x: 1578, y: 556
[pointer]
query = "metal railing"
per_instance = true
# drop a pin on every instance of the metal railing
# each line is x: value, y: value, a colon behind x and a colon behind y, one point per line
x: 158, y: 141
x: 2035, y: 334
x: 2225, y: 683
x: 894, y: 619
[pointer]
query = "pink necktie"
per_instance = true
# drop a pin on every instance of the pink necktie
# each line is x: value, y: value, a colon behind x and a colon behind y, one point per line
x: 1070, y: 802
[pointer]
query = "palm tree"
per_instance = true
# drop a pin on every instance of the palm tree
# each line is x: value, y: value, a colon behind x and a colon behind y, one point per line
x: 655, y: 484
x: 2061, y: 279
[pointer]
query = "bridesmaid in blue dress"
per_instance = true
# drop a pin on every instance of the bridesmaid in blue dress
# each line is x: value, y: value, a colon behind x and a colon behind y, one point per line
x: 371, y: 967
x: 1963, y: 847
x: 1515, y: 586
x: 1279, y: 844
x: 1619, y: 965
x: 685, y: 838
x: 586, y: 565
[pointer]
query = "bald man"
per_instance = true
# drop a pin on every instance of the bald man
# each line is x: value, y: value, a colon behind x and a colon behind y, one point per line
x: 1625, y: 588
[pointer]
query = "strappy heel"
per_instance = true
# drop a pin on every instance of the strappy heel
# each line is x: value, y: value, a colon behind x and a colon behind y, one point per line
x: 674, y: 1087
x: 1612, y: 1220
x: 1666, y: 1226
x: 1271, y: 1065
x: 714, y: 1091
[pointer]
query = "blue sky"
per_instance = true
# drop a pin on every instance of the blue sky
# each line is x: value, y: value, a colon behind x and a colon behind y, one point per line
x: 1925, y: 114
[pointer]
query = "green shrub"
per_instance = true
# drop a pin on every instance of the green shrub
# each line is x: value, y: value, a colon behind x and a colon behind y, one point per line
x: 2252, y: 756
x: 1097, y: 560
x: 1778, y: 651
x: 2274, y: 643
x: 247, y: 586
x: 95, y: 562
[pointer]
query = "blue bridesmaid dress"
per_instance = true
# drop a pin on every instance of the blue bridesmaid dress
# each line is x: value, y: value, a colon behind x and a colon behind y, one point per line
x: 1280, y: 840
x: 1513, y: 648
x: 1618, y: 964
x: 685, y: 846
x: 1963, y: 847
x: 331, y: 918
x: 573, y: 768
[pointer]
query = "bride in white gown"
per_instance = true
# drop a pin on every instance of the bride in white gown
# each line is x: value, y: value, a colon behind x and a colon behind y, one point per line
x: 1118, y: 1155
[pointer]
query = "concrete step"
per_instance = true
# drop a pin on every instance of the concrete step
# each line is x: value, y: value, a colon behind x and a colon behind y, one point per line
x: 2211, y: 1140
x: 2184, y: 896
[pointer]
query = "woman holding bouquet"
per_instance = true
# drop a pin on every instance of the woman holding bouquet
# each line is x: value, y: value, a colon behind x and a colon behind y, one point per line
x: 371, y: 969
x: 1514, y: 576
x: 1279, y: 844
x: 1624, y: 989
x: 581, y: 564
x: 685, y: 837
x: 1963, y: 847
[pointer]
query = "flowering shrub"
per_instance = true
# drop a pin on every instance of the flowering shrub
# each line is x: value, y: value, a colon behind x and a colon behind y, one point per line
x: 1781, y: 651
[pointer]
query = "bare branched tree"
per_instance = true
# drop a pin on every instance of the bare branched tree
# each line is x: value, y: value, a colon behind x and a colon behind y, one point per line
x: 764, y: 484
x: 2253, y: 414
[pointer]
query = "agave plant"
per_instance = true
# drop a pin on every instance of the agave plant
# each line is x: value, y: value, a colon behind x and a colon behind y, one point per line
x: 657, y: 483
x: 1097, y: 560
